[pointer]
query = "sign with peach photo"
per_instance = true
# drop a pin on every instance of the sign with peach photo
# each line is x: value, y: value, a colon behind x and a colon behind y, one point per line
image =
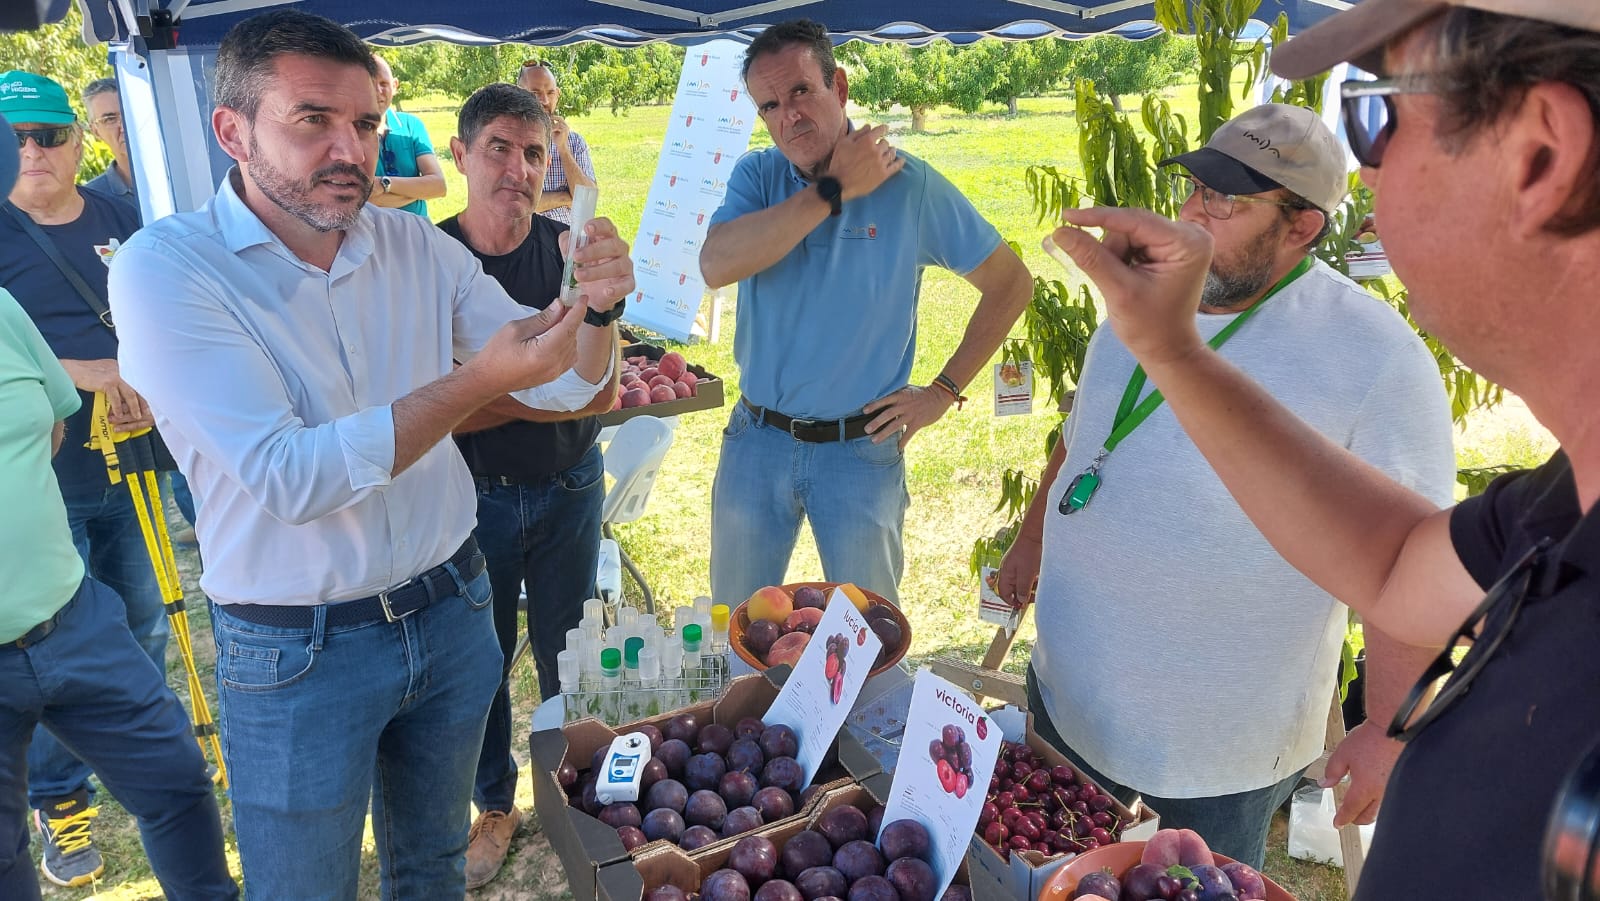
x: 817, y: 698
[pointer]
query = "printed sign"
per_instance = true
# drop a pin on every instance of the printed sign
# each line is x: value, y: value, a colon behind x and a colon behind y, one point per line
x: 1013, y: 388
x: 823, y: 687
x: 709, y: 130
x: 947, y: 756
x: 993, y: 609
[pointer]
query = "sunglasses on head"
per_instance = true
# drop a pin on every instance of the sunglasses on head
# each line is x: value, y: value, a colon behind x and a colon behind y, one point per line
x: 44, y: 137
x: 1369, y: 113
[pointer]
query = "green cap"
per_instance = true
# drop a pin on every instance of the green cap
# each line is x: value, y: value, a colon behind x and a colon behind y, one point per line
x: 632, y: 647
x: 691, y: 636
x: 26, y: 97
x: 611, y: 659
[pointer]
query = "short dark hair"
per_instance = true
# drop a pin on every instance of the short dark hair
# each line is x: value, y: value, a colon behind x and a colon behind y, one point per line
x: 490, y: 102
x: 97, y: 87
x: 795, y: 31
x: 1294, y: 205
x: 251, y: 48
x: 1484, y: 64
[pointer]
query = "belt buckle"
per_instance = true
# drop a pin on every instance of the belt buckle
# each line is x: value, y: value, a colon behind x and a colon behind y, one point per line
x: 800, y: 424
x: 388, y: 612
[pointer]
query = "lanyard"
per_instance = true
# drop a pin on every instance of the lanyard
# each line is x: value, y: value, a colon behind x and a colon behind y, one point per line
x: 1131, y: 412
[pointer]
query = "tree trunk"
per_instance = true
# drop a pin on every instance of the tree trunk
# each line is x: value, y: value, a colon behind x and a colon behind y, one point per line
x: 1011, y: 106
x: 1116, y: 102
x: 919, y: 119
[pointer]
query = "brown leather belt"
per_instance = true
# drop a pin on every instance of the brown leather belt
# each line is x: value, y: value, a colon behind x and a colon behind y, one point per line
x: 814, y: 431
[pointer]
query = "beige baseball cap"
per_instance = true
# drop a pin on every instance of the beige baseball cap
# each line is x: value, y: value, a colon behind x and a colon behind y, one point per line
x: 1274, y: 145
x: 1360, y: 33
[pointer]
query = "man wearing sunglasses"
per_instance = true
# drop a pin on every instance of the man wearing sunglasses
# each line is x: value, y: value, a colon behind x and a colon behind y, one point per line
x: 1143, y: 550
x: 53, y: 232
x: 1481, y: 142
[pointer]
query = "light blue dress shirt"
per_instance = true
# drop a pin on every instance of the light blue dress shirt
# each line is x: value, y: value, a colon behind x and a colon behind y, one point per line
x: 273, y: 383
x: 833, y: 325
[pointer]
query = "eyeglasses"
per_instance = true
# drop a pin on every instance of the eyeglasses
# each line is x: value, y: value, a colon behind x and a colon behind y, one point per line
x: 109, y: 120
x: 1219, y: 205
x: 44, y: 137
x: 1509, y: 592
x: 1369, y: 114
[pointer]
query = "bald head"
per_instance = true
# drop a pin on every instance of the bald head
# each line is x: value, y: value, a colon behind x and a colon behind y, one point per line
x: 385, y: 81
x: 541, y: 83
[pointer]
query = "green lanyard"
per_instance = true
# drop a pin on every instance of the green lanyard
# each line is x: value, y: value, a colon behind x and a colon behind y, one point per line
x: 1131, y: 415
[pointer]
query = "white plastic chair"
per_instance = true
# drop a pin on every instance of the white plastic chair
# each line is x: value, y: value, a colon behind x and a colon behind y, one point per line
x: 633, y: 458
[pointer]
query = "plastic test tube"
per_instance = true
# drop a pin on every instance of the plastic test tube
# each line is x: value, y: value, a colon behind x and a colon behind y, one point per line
x: 594, y: 609
x: 610, y: 681
x: 650, y: 680
x: 719, y: 628
x: 584, y: 198
x: 574, y: 639
x: 702, y: 604
x: 672, y: 673
x: 681, y: 617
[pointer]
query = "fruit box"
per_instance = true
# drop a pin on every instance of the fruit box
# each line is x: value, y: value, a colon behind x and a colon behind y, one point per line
x: 585, y: 845
x: 708, y: 392
x: 669, y: 865
x: 1025, y: 874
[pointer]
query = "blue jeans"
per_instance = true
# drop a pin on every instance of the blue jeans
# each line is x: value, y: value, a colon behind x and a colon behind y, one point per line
x: 547, y: 536
x: 852, y: 492
x: 105, y: 529
x: 90, y: 684
x: 179, y: 486
x: 1235, y: 825
x: 317, y: 721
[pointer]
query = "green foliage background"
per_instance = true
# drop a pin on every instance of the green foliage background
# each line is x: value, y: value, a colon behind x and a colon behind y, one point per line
x: 58, y: 51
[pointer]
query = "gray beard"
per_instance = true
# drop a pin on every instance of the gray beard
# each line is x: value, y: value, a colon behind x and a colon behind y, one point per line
x: 294, y: 197
x: 1229, y: 290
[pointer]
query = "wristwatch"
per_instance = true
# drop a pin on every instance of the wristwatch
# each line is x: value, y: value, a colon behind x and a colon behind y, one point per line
x: 384, y: 180
x: 601, y: 320
x: 832, y: 192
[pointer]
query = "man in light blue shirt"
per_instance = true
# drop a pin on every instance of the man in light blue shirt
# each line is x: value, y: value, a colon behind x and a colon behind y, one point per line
x: 299, y: 347
x: 827, y: 234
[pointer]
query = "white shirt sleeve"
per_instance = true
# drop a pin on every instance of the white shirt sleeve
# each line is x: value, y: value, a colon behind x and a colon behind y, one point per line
x: 482, y: 307
x: 226, y: 399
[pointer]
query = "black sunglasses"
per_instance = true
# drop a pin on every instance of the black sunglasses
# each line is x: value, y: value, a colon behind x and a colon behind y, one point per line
x: 1369, y: 113
x: 1513, y: 588
x: 44, y: 137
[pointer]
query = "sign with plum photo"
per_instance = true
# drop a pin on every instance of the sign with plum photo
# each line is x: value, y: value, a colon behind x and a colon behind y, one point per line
x: 947, y: 755
x: 817, y: 698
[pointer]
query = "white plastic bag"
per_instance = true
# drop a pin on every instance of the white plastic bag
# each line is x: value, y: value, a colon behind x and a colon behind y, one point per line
x: 1312, y: 835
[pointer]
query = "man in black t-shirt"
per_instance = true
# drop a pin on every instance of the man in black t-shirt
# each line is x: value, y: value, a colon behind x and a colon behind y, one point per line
x: 1480, y: 141
x: 541, y: 481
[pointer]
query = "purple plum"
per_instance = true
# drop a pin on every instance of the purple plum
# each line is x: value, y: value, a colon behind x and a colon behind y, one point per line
x: 754, y: 857
x: 697, y: 837
x: 725, y: 885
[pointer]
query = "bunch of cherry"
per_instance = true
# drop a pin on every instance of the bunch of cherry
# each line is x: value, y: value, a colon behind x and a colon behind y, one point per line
x: 1033, y: 806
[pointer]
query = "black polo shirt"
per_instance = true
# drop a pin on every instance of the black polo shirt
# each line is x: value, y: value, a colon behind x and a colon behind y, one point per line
x: 526, y: 452
x: 1467, y: 804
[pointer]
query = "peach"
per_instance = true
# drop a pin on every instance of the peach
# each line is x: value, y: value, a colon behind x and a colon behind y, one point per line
x: 689, y: 377
x: 672, y: 365
x: 803, y: 620
x: 856, y: 595
x: 770, y: 603
x: 635, y: 397
x: 788, y: 649
x: 616, y: 402
x: 682, y: 390
x: 662, y: 380
x: 648, y: 373
x: 660, y: 394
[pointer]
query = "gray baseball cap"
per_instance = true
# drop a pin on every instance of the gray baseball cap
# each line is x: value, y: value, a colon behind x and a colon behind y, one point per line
x: 1274, y: 145
x: 1360, y: 33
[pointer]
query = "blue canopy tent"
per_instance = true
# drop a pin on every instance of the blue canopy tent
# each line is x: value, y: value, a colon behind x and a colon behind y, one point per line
x: 164, y: 49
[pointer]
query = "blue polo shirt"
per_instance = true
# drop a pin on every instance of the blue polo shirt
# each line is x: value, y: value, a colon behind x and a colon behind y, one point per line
x: 69, y: 326
x: 833, y: 325
x: 398, y: 150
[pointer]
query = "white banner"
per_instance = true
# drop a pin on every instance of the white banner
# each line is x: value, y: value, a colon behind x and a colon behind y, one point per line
x: 710, y: 129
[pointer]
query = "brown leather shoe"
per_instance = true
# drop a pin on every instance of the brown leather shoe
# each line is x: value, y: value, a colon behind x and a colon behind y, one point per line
x: 488, y: 843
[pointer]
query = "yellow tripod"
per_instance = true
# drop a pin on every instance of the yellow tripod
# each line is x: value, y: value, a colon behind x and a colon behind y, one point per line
x: 130, y: 459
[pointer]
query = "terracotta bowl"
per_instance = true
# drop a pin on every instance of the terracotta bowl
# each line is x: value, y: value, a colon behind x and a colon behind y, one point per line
x: 740, y: 621
x: 1118, y: 858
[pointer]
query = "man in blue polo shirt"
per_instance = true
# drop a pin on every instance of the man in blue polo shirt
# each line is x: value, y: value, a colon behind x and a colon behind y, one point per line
x: 827, y: 234
x: 409, y: 174
x: 84, y: 229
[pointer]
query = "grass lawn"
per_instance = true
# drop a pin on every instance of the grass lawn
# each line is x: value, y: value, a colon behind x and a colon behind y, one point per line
x: 953, y: 466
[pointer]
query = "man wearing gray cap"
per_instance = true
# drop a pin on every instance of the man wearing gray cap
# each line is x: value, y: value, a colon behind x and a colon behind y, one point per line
x: 1146, y: 559
x: 1480, y: 139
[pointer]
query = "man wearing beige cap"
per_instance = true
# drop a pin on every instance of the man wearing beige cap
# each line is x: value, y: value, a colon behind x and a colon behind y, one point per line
x: 1179, y: 657
x: 1482, y: 142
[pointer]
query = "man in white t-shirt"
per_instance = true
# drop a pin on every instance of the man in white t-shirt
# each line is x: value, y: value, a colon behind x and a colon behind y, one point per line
x: 1179, y: 657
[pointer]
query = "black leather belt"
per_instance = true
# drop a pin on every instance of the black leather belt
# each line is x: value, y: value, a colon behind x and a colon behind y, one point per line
x: 814, y: 431
x: 392, y: 605
x: 484, y: 483
x: 42, y: 631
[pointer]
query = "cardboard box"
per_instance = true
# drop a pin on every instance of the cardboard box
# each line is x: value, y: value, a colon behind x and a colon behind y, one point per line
x: 1024, y: 875
x: 708, y: 393
x: 672, y: 866
x: 585, y: 845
